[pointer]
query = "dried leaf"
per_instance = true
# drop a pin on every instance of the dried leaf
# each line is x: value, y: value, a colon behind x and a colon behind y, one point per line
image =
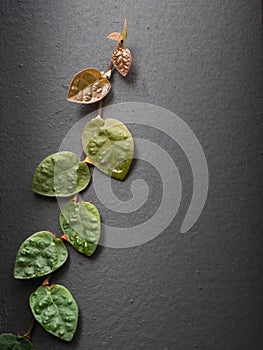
x: 39, y: 255
x: 81, y: 223
x: 115, y: 36
x: 10, y: 341
x: 60, y: 174
x: 109, y: 146
x: 56, y: 310
x: 122, y: 59
x: 88, y: 86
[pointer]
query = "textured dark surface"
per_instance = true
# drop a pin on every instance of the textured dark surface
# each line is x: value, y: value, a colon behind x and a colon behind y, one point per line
x: 199, y: 59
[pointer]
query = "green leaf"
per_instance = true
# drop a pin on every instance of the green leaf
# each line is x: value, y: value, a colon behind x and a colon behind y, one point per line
x: 109, y: 146
x: 60, y: 174
x: 56, y: 310
x: 81, y: 223
x: 88, y: 86
x: 10, y: 341
x: 39, y: 255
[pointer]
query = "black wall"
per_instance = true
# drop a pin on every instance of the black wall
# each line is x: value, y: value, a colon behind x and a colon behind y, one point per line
x: 199, y: 59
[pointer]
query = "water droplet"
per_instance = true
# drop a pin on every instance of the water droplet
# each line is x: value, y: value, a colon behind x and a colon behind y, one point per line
x: 69, y: 327
x: 54, y: 327
x: 79, y: 241
x: 37, y: 311
x: 118, y: 171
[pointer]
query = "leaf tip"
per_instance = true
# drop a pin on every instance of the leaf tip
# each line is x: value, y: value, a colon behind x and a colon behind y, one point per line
x: 124, y: 31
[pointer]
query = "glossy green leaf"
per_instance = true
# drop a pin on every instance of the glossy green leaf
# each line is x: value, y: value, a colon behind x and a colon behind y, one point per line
x: 88, y: 86
x: 39, y: 255
x: 81, y: 223
x: 10, y: 341
x: 56, y: 310
x: 60, y: 174
x: 109, y: 146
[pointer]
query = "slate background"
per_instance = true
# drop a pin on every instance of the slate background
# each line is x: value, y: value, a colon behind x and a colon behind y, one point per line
x: 199, y: 59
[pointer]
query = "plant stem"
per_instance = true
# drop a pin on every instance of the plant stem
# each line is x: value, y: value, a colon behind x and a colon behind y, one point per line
x: 30, y: 328
x: 110, y: 66
x: 86, y: 160
x: 47, y: 280
x: 75, y: 198
x: 100, y: 105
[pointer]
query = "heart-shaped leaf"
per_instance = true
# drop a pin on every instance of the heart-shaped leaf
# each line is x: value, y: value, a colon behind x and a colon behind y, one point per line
x: 56, y: 310
x: 122, y: 59
x: 109, y: 146
x: 81, y: 223
x: 39, y: 255
x: 60, y: 174
x: 10, y: 341
x: 88, y: 86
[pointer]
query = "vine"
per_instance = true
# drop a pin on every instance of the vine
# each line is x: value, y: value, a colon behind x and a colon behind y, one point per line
x: 108, y: 145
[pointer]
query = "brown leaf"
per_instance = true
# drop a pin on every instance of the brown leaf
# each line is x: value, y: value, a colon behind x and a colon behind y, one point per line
x: 122, y: 59
x: 88, y: 86
x: 115, y: 36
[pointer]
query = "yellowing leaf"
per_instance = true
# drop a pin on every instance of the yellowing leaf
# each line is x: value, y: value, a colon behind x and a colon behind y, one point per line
x: 81, y: 223
x: 60, y: 174
x: 109, y: 146
x: 124, y: 32
x: 88, y: 86
x: 115, y: 36
x: 122, y: 59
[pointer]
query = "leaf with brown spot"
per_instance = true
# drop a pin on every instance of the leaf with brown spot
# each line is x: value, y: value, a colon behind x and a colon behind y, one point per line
x: 88, y: 86
x: 122, y: 59
x: 115, y: 36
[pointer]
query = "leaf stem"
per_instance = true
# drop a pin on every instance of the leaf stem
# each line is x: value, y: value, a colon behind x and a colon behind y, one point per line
x: 64, y: 237
x: 75, y: 198
x: 100, y: 108
x: 86, y: 160
x: 47, y: 280
x: 108, y: 75
x: 30, y: 329
x: 110, y: 66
